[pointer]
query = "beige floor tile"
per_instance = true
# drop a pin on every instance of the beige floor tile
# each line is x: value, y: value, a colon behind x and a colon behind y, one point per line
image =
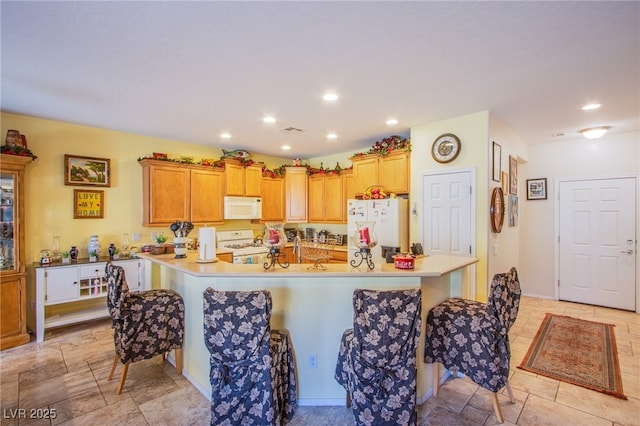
x: 56, y: 389
x: 183, y: 407
x: 77, y: 406
x: 601, y: 405
x: 322, y: 416
x: 124, y: 412
x: 535, y: 385
x: 542, y: 412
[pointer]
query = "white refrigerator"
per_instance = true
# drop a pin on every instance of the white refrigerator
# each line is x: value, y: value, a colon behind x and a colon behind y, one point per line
x: 391, y: 217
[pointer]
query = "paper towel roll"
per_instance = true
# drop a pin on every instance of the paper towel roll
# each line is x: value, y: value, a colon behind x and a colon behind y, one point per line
x: 206, y: 240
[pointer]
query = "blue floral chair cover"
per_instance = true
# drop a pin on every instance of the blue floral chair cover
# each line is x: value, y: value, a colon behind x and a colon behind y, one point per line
x: 145, y: 324
x: 377, y: 358
x: 252, y: 369
x: 472, y: 337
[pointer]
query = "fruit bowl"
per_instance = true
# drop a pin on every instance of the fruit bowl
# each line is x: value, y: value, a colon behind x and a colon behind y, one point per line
x: 375, y: 193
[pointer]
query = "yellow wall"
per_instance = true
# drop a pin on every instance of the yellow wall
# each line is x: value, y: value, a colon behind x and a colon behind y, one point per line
x: 473, y: 132
x: 49, y: 202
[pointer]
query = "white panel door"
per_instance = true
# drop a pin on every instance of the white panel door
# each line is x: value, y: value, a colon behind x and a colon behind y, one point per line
x: 447, y: 213
x: 598, y: 242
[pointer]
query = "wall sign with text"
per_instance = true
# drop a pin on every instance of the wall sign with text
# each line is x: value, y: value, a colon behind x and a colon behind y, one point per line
x: 88, y: 204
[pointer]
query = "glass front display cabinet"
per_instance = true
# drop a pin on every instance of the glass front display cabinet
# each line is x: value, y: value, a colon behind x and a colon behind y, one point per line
x: 13, y: 327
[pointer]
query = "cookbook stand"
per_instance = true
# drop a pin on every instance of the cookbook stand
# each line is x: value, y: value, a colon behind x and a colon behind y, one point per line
x: 365, y: 255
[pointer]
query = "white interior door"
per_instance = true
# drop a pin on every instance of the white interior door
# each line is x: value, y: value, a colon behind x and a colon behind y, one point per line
x: 446, y: 227
x: 598, y: 242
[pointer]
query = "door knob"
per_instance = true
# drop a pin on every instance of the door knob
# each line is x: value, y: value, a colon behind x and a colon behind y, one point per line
x: 627, y: 251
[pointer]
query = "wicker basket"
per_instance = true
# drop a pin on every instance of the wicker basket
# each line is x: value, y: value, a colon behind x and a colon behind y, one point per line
x: 317, y: 252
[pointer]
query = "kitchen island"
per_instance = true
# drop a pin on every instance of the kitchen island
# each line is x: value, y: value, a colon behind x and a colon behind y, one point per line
x: 315, y: 307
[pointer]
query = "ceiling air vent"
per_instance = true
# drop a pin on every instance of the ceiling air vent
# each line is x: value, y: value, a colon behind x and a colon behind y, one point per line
x: 292, y: 130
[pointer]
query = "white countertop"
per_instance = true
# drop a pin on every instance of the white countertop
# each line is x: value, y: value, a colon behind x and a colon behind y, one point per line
x: 430, y: 266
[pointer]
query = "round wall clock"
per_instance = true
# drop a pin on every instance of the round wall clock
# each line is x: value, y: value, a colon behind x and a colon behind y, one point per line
x: 496, y: 210
x: 446, y: 148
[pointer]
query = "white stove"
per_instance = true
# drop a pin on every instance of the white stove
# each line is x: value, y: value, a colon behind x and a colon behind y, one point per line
x: 242, y: 245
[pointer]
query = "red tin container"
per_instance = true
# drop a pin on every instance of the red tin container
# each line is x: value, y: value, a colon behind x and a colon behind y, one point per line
x: 403, y: 261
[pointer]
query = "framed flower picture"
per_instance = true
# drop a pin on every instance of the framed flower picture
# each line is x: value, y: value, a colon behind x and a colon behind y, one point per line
x: 86, y: 171
x: 513, y: 175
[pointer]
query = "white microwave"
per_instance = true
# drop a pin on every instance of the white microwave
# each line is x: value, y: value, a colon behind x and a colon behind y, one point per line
x: 242, y: 207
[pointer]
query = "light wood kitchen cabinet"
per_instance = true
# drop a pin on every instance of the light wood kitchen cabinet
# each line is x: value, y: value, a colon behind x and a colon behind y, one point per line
x: 391, y: 172
x: 240, y: 180
x: 296, y: 194
x: 327, y: 201
x: 206, y: 201
x: 13, y: 314
x: 273, y: 199
x: 177, y: 191
x: 349, y: 184
x: 225, y: 257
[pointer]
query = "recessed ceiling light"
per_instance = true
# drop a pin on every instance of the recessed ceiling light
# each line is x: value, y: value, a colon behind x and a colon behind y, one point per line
x: 269, y: 119
x: 392, y: 121
x: 594, y: 132
x: 590, y: 107
x: 330, y: 97
x: 225, y: 135
x: 332, y: 136
x: 285, y: 147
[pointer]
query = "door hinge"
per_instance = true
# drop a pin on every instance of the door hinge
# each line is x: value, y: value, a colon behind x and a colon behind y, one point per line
x: 470, y: 250
x: 558, y: 283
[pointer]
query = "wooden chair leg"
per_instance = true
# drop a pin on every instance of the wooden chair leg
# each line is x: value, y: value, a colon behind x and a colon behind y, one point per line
x: 123, y: 377
x: 348, y: 400
x: 179, y: 361
x: 436, y: 378
x: 113, y: 367
x: 496, y: 407
x: 510, y: 392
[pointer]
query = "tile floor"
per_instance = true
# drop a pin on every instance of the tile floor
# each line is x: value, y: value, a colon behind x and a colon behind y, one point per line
x: 68, y: 373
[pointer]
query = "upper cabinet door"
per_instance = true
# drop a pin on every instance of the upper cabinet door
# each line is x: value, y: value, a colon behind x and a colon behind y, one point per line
x: 166, y: 192
x: 296, y: 194
x: 206, y: 196
x: 253, y: 181
x: 234, y: 178
x: 273, y: 203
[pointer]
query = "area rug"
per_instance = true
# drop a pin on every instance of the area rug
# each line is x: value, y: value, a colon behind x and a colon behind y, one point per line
x: 576, y: 351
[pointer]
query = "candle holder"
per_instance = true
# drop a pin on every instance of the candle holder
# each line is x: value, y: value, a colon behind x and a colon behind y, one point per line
x: 274, y: 237
x: 365, y: 239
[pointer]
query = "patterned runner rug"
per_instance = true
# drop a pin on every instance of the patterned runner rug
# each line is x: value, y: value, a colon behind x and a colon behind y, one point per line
x: 576, y: 351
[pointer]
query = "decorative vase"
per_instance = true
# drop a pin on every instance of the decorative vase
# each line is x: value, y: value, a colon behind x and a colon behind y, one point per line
x: 274, y: 235
x: 56, y: 254
x: 365, y: 237
x: 74, y: 253
x: 112, y: 250
x: 94, y: 246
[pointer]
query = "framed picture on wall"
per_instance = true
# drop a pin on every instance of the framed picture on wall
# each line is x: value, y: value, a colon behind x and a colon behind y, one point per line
x: 537, y: 189
x: 86, y: 171
x: 513, y: 175
x: 497, y: 162
x: 513, y: 210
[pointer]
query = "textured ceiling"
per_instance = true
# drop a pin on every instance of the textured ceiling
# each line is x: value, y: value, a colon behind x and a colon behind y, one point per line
x: 191, y: 70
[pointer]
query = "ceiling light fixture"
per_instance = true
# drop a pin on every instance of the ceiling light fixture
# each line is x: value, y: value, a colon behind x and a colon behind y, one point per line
x: 285, y: 147
x: 392, y: 121
x: 332, y: 136
x: 590, y: 107
x: 594, y: 132
x: 269, y: 119
x: 330, y: 97
x: 225, y: 135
